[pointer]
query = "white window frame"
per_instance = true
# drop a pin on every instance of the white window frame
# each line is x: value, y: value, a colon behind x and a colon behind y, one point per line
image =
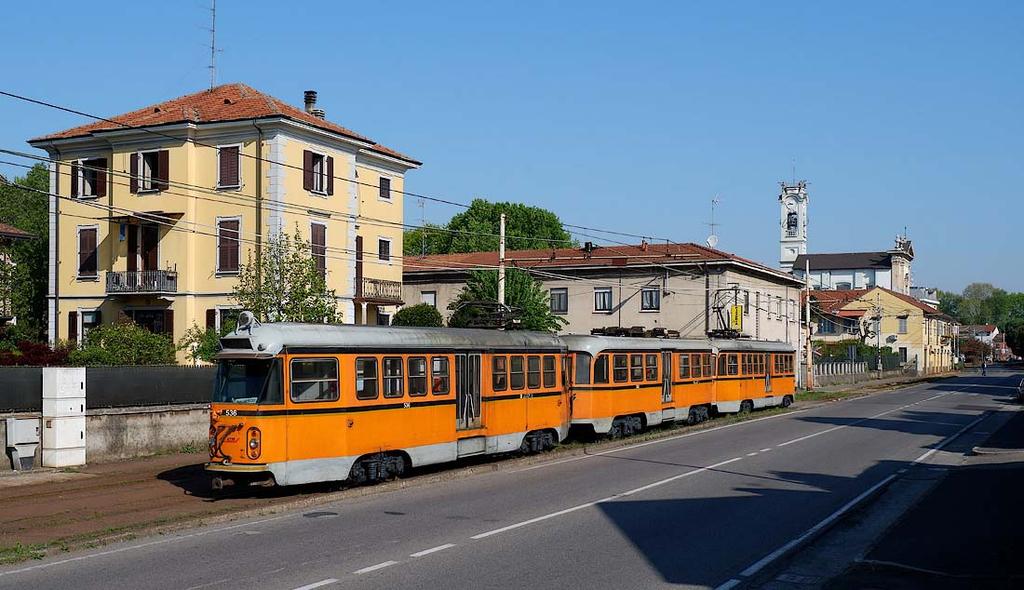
x: 81, y: 311
x: 322, y: 176
x: 152, y: 178
x: 216, y: 256
x: 220, y: 184
x: 902, y: 324
x: 80, y: 174
x: 390, y: 180
x: 611, y: 299
x: 324, y: 224
x: 217, y: 315
x: 391, y: 250
x: 78, y: 253
x: 654, y: 309
x: 560, y: 289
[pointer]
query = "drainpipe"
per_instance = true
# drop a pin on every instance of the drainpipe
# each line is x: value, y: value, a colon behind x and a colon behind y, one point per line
x: 56, y: 249
x: 259, y: 207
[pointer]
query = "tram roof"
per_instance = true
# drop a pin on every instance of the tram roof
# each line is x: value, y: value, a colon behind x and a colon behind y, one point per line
x: 271, y: 338
x: 596, y: 344
x: 743, y: 345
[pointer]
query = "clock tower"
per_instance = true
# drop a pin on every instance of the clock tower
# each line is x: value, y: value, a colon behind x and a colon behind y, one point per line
x: 793, y: 223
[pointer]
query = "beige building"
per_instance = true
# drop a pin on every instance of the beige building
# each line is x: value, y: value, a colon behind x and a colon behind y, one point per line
x: 684, y: 287
x: 153, y: 211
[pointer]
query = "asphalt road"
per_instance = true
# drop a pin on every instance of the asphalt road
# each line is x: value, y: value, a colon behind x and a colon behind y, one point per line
x: 694, y: 509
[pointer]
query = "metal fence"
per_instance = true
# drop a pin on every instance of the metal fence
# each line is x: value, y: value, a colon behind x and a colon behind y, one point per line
x: 21, y: 388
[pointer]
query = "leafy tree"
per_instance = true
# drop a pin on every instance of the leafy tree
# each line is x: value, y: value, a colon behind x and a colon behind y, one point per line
x: 423, y: 315
x: 530, y: 302
x: 476, y: 230
x: 949, y: 303
x: 28, y: 211
x: 974, y: 349
x: 285, y: 285
x: 123, y: 343
x: 1015, y: 337
x: 202, y: 344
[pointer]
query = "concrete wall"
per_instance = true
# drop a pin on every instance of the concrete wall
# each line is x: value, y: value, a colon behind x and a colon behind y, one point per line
x: 113, y: 434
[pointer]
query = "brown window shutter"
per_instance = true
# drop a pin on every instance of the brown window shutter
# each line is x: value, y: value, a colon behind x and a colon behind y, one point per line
x: 211, y: 319
x: 227, y: 247
x: 385, y: 187
x: 359, y: 266
x: 318, y: 238
x: 229, y: 166
x: 73, y: 326
x: 307, y: 170
x: 133, y: 183
x: 101, y: 177
x: 99, y: 317
x: 87, y: 252
x: 330, y: 175
x: 169, y: 322
x: 74, y: 180
x: 163, y: 168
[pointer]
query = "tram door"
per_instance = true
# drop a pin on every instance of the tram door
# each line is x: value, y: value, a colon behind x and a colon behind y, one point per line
x: 467, y: 391
x: 666, y: 377
x: 767, y: 373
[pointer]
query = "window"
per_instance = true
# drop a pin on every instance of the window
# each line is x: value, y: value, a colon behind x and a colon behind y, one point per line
x: 636, y: 367
x: 903, y: 324
x: 87, y: 251
x: 583, y: 368
x: 533, y: 372
x: 620, y: 369
x: 149, y: 171
x: 392, y: 376
x: 684, y: 366
x: 385, y: 188
x: 826, y: 326
x: 317, y: 173
x: 778, y: 308
x: 560, y: 300
x: 366, y: 378
x: 695, y: 367
x: 601, y: 369
x: 90, y: 320
x: 314, y: 380
x: 89, y: 178
x: 708, y: 362
x: 429, y: 297
x: 383, y: 319
x: 417, y: 376
x: 499, y: 373
x: 228, y: 166
x: 603, y: 299
x: 439, y: 375
x: 732, y: 365
x: 651, y: 367
x: 318, y: 245
x: 383, y: 249
x: 516, y: 377
x: 227, y: 244
x: 903, y: 354
x: 549, y: 371
x: 746, y: 303
x: 843, y: 286
x: 794, y: 312
x: 650, y: 299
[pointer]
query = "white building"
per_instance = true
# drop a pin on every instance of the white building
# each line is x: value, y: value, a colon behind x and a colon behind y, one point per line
x: 859, y: 270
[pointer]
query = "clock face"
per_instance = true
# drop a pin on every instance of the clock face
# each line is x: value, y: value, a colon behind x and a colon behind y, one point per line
x: 790, y: 205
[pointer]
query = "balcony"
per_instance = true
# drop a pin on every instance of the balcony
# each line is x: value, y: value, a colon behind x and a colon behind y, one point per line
x: 142, y: 282
x: 380, y: 291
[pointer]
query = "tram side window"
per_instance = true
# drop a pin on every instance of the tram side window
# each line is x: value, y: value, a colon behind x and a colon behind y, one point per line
x: 601, y: 369
x: 516, y: 377
x: 708, y: 364
x: 417, y: 376
x: 636, y: 367
x: 366, y: 378
x: 721, y: 364
x: 620, y: 368
x: 789, y: 363
x: 499, y: 373
x: 392, y: 377
x: 651, y: 364
x: 549, y: 371
x: 314, y: 380
x: 684, y: 366
x: 439, y: 378
x: 695, y: 368
x: 732, y: 366
x: 582, y: 361
x: 533, y: 372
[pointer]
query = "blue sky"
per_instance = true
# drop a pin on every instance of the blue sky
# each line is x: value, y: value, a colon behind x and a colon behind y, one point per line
x: 618, y: 115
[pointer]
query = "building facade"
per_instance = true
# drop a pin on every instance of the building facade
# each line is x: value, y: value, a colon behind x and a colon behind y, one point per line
x: 684, y: 287
x: 920, y: 334
x: 153, y: 212
x: 859, y: 270
x: 793, y: 223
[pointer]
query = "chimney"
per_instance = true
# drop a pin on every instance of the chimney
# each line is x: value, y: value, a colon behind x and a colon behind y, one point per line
x: 310, y: 99
x: 318, y: 113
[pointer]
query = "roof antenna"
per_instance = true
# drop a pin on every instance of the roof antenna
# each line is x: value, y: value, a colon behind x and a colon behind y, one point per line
x: 712, y: 240
x: 213, y: 44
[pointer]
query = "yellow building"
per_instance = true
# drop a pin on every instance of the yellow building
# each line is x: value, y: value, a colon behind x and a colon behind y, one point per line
x: 920, y: 334
x: 153, y: 211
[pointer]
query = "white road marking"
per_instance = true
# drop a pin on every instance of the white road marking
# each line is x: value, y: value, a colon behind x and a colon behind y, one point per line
x: 602, y: 500
x: 374, y: 568
x: 432, y: 550
x: 765, y: 450
x: 803, y: 438
x: 317, y: 584
x: 730, y: 584
x: 751, y: 454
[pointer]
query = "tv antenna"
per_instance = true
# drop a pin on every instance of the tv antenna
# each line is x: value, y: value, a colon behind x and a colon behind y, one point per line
x: 213, y: 44
x: 712, y: 240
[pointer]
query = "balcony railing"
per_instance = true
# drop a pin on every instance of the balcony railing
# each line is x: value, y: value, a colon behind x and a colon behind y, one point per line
x: 130, y: 282
x: 381, y: 291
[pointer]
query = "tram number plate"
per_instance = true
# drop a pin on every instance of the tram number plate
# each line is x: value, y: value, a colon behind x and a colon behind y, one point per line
x: 228, y: 412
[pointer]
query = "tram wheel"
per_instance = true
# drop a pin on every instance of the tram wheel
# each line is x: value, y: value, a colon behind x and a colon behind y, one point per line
x: 787, y: 400
x: 746, y: 406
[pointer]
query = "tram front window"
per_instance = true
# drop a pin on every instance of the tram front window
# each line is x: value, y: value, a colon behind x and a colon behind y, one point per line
x: 245, y: 381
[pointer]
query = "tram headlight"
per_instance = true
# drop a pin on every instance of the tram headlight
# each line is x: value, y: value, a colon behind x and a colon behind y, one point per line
x: 254, y: 443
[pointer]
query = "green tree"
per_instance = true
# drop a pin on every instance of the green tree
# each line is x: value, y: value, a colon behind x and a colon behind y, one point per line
x: 530, y: 302
x: 285, y: 285
x: 476, y: 230
x: 1015, y: 337
x: 123, y: 343
x: 423, y: 315
x: 28, y: 211
x: 949, y: 303
x: 202, y: 344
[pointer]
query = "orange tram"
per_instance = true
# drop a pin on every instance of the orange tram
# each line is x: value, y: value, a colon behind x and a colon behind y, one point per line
x: 303, y: 403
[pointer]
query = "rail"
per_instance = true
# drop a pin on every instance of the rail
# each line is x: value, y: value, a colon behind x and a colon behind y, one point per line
x: 127, y: 282
x: 381, y: 290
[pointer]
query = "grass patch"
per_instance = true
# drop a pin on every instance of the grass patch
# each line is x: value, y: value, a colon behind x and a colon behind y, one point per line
x: 192, y: 447
x: 18, y: 552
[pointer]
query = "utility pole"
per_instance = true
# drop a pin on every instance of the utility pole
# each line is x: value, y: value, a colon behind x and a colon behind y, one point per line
x: 878, y: 330
x: 809, y: 350
x: 423, y: 228
x: 213, y: 43
x: 501, y: 264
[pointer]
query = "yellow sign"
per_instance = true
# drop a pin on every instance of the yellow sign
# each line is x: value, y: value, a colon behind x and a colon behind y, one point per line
x: 736, y: 318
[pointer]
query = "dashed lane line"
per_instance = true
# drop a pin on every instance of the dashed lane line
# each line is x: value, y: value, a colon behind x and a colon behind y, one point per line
x: 432, y: 550
x: 326, y: 582
x: 374, y: 568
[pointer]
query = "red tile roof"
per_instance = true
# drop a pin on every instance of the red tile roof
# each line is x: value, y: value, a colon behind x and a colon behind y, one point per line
x: 9, y: 231
x: 602, y: 256
x: 227, y: 102
x: 833, y: 301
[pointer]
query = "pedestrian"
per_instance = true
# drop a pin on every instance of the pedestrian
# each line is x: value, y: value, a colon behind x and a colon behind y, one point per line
x: 984, y: 365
